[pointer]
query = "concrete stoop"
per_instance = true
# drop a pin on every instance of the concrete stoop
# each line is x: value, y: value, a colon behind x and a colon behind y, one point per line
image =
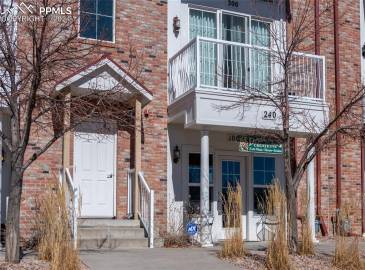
x: 94, y: 234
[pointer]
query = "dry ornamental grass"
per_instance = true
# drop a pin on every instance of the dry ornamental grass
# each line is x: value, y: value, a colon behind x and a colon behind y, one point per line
x: 55, y: 242
x: 233, y: 246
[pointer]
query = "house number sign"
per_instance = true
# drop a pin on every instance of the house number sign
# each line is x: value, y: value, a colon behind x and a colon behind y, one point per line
x: 232, y: 3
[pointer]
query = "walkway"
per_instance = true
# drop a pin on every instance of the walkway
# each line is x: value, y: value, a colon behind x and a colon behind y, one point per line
x: 156, y: 259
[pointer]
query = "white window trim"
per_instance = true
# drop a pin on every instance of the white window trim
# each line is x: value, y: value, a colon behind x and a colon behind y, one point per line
x: 95, y: 39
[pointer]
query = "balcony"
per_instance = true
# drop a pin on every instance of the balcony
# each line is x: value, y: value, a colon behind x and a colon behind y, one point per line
x: 208, y: 74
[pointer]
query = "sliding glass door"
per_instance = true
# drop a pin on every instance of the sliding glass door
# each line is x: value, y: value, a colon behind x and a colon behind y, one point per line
x: 232, y: 65
x: 235, y: 58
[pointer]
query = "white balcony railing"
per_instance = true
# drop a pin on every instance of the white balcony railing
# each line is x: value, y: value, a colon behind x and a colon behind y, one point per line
x: 213, y: 63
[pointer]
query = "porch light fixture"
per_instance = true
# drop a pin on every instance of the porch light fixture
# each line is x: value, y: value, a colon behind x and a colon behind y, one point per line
x: 176, y: 25
x: 176, y: 154
x: 363, y: 50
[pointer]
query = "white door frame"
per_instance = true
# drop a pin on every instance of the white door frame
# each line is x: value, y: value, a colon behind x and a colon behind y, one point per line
x: 115, y: 147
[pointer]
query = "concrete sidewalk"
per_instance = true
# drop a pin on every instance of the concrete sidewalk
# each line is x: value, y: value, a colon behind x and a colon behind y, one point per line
x: 156, y: 259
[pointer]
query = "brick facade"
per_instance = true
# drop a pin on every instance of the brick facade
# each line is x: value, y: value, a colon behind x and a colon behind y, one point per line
x: 349, y: 77
x: 141, y: 25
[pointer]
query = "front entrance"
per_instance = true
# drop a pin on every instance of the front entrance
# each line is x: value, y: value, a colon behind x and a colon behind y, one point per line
x: 94, y: 171
x: 232, y: 171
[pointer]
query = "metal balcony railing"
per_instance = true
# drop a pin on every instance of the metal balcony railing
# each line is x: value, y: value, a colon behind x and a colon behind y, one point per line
x: 218, y: 64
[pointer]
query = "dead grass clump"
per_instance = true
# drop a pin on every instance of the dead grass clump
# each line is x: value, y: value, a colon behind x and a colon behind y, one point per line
x: 55, y: 242
x: 347, y: 255
x: 306, y: 245
x: 275, y: 206
x: 233, y: 246
x: 175, y: 235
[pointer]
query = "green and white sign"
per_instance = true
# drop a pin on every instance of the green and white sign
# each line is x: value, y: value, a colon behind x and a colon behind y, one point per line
x: 256, y: 144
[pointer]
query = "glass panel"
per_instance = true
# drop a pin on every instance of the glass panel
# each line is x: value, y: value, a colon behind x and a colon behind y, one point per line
x: 88, y: 6
x: 105, y: 7
x: 194, y: 199
x: 260, y: 59
x: 259, y: 178
x: 230, y: 173
x: 263, y: 170
x: 258, y: 163
x: 194, y: 168
x: 88, y: 25
x: 204, y: 24
x: 234, y: 57
x: 105, y: 28
x: 259, y: 199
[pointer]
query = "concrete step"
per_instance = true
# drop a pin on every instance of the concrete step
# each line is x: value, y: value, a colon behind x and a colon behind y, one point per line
x: 101, y: 232
x: 95, y: 244
x: 94, y: 222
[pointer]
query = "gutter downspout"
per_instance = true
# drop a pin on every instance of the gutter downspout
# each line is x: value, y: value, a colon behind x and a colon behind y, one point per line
x: 338, y: 104
x: 362, y: 186
x: 318, y: 156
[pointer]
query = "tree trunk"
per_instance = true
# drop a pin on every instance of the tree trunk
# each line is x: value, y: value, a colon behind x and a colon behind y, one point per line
x: 13, y: 215
x: 292, y: 216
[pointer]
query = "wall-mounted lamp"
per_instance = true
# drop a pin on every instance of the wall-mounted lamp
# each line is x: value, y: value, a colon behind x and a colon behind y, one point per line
x: 176, y: 25
x: 363, y: 51
x: 177, y: 154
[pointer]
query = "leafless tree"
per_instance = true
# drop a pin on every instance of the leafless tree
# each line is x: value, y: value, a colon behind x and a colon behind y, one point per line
x: 290, y: 76
x: 37, y: 51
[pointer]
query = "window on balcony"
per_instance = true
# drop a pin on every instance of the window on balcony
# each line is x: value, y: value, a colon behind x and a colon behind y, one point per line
x: 232, y: 66
x: 97, y: 19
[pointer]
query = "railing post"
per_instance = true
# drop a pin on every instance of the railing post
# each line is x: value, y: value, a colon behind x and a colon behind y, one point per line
x: 151, y: 221
x: 75, y: 214
x: 137, y: 155
x: 198, y: 62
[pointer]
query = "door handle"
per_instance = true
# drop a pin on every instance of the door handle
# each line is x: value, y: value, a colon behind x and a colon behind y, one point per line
x: 109, y: 176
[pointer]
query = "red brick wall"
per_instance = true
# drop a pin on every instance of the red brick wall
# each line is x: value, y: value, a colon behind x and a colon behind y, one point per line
x: 349, y: 74
x: 140, y: 25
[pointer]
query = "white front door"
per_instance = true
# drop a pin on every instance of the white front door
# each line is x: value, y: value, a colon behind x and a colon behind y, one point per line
x: 94, y: 173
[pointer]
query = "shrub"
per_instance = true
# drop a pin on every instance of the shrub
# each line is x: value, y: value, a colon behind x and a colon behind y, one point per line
x: 53, y: 226
x: 233, y: 245
x: 347, y: 255
x: 306, y: 246
x: 278, y: 251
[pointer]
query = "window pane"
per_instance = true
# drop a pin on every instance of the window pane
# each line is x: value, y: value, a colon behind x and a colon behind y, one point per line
x: 194, y: 199
x: 260, y: 33
x: 269, y: 176
x: 105, y: 7
x: 259, y: 178
x: 88, y: 6
x: 88, y: 25
x: 105, y: 28
x: 259, y: 163
x: 202, y: 24
x: 270, y: 164
x: 234, y: 28
x: 259, y: 199
x: 194, y: 168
